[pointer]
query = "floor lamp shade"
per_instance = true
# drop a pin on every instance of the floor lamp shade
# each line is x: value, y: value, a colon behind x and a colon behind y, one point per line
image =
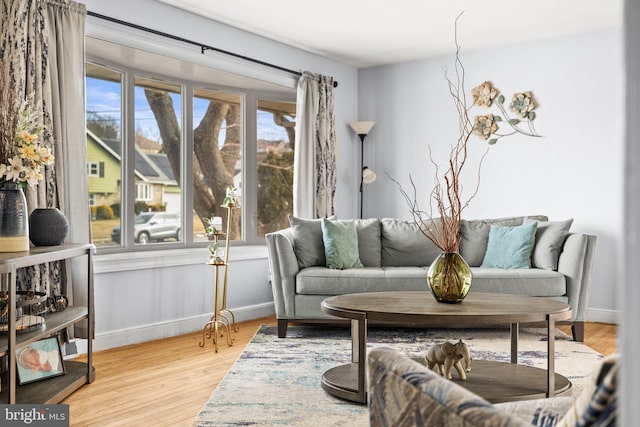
x: 368, y: 176
x: 361, y: 128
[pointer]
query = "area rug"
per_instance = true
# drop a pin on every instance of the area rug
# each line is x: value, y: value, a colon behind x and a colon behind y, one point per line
x: 276, y: 381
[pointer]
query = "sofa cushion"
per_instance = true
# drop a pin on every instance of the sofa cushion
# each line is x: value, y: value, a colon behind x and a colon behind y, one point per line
x: 369, y: 243
x: 474, y: 235
x: 550, y: 237
x: 510, y: 247
x: 307, y: 241
x: 534, y: 282
x: 403, y: 245
x: 340, y: 244
x: 325, y: 281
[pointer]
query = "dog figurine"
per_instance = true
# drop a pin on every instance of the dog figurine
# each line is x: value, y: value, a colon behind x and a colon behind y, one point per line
x: 442, y: 357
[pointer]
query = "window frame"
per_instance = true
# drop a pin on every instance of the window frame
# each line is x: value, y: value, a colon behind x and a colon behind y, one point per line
x: 249, y: 154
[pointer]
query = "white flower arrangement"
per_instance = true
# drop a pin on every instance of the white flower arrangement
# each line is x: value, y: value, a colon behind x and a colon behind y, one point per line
x: 22, y: 155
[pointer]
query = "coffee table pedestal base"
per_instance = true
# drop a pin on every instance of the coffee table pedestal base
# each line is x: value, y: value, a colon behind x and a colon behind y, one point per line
x: 494, y: 381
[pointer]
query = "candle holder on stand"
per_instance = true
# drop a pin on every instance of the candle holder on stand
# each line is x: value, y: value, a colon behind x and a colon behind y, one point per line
x: 218, y: 324
x: 223, y: 319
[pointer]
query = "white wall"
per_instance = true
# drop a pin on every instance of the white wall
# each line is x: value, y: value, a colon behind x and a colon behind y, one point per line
x: 628, y: 343
x: 153, y: 295
x: 575, y: 171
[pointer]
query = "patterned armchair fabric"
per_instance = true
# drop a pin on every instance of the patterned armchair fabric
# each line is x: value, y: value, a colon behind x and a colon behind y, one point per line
x: 403, y: 392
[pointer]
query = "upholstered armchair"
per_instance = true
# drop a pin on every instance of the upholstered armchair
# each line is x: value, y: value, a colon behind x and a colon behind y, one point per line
x: 402, y: 392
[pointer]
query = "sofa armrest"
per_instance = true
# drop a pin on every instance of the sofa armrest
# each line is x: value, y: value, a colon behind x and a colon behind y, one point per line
x: 575, y: 263
x: 283, y: 267
x: 402, y: 392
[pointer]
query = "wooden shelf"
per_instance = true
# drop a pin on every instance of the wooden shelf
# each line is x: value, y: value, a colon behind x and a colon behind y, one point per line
x: 52, y: 390
x: 42, y: 254
x: 54, y: 322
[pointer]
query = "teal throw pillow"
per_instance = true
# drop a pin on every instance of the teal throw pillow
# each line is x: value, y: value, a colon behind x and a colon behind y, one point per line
x: 340, y: 244
x: 510, y: 247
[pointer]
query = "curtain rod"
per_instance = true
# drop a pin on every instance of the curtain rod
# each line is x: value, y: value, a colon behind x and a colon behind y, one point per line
x: 203, y: 47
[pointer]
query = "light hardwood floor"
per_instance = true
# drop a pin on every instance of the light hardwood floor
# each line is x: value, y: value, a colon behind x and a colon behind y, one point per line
x: 167, y: 382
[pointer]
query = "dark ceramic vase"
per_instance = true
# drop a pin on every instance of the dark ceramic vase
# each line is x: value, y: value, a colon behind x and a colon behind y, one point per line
x: 14, y: 219
x: 48, y: 227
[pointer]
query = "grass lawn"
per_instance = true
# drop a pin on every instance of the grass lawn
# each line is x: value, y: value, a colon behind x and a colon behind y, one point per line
x: 101, y: 229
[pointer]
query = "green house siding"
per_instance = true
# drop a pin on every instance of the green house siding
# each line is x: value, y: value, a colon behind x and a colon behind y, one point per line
x: 108, y: 181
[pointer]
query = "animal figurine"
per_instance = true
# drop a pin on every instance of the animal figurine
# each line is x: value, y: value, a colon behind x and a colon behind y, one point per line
x: 442, y: 357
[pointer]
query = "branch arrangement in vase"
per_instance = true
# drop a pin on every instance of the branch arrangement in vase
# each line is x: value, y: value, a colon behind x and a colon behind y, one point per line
x: 446, y: 194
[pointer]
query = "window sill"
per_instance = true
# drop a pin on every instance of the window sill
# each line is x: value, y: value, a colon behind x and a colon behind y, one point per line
x: 127, y: 261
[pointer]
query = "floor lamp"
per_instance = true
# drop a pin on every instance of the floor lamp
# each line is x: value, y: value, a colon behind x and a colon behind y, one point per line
x: 367, y: 176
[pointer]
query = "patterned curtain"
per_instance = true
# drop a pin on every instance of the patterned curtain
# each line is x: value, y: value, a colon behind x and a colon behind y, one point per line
x: 314, y: 176
x: 43, y: 47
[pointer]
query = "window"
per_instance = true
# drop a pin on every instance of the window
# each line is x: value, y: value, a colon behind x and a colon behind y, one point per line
x: 217, y: 157
x: 95, y: 169
x: 104, y: 151
x: 276, y: 139
x: 152, y: 138
x: 143, y: 192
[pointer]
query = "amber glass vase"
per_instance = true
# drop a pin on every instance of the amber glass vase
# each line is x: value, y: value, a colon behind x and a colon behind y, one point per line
x: 449, y: 278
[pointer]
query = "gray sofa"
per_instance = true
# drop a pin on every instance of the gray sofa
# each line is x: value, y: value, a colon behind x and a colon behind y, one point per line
x: 396, y: 256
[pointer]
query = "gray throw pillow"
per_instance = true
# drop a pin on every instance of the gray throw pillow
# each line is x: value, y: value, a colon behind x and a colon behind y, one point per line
x: 403, y: 245
x: 369, y: 243
x: 340, y: 244
x: 307, y: 241
x: 550, y: 237
x: 474, y: 235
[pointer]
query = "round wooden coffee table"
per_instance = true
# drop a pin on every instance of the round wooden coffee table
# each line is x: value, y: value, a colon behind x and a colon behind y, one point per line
x: 494, y: 381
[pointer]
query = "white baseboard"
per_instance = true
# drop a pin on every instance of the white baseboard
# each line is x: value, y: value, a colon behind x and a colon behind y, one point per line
x: 156, y: 331
x: 122, y: 337
x: 603, y: 315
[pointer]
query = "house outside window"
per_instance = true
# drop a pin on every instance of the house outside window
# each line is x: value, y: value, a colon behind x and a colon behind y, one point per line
x: 174, y: 132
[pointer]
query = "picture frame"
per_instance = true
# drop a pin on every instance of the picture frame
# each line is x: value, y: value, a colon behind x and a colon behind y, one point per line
x: 39, y: 360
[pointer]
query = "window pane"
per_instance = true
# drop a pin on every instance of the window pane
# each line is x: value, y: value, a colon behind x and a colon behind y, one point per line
x: 276, y: 139
x: 217, y: 160
x: 158, y: 148
x: 104, y: 148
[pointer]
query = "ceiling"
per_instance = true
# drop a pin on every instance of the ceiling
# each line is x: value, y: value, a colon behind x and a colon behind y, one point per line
x: 366, y: 33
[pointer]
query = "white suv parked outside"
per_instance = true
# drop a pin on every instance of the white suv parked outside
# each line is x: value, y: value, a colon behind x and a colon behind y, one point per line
x: 152, y: 226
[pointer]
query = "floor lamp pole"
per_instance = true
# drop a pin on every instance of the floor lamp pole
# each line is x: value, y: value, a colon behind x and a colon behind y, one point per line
x: 362, y: 136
